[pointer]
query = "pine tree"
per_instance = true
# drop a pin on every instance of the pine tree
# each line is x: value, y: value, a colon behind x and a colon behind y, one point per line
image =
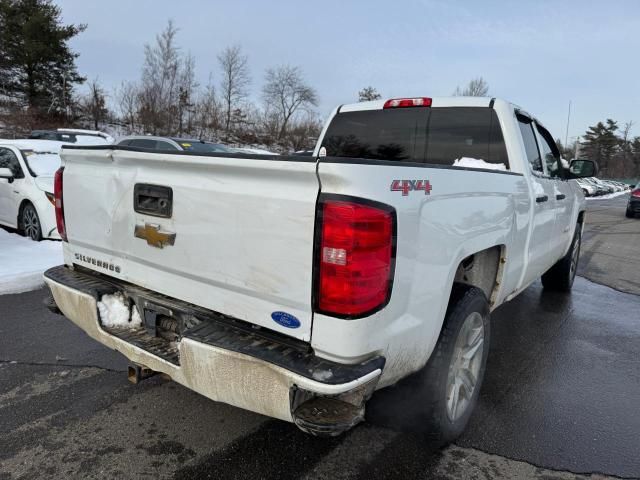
x: 37, y: 66
x: 601, y: 143
x: 367, y: 94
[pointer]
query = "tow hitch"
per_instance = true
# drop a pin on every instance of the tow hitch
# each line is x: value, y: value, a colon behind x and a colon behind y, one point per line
x: 137, y: 373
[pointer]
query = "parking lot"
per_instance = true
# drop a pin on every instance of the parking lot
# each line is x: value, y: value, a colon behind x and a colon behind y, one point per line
x: 560, y: 399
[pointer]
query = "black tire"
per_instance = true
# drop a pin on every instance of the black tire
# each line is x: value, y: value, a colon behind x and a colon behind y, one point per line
x: 435, y: 381
x: 30, y: 223
x: 560, y: 277
x: 629, y: 213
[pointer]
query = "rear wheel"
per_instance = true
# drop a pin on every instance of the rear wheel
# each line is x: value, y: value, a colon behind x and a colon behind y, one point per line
x: 629, y: 213
x: 560, y: 277
x: 453, y: 376
x: 30, y: 223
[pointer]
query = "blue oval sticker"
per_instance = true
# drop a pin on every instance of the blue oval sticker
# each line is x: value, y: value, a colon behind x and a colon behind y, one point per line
x: 285, y: 319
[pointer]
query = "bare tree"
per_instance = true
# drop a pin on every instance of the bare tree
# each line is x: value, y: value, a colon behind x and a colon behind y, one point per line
x: 187, y: 87
x: 626, y: 148
x: 94, y: 104
x: 127, y: 97
x: 367, y: 94
x: 285, y: 92
x: 235, y: 81
x: 160, y: 78
x: 478, y: 87
x: 207, y: 112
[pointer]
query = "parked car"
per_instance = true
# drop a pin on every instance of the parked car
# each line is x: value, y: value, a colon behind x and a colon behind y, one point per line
x: 74, y: 136
x: 149, y: 142
x: 600, y: 188
x: 633, y: 206
x: 411, y: 222
x: 588, y: 189
x: 26, y: 187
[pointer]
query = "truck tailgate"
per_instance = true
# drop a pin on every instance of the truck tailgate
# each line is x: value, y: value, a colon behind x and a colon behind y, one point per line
x: 243, y: 228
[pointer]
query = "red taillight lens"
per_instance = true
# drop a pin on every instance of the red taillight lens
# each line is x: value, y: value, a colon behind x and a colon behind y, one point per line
x: 356, y: 255
x: 636, y: 193
x: 407, y: 102
x: 59, y: 205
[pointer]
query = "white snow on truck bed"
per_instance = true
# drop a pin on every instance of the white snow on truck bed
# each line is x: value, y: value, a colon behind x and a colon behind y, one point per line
x: 467, y: 162
x: 23, y: 261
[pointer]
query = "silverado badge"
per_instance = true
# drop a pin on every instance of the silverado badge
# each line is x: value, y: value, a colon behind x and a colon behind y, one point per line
x: 154, y: 235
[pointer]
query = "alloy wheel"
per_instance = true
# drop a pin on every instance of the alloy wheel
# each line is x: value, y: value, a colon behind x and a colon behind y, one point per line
x: 465, y: 366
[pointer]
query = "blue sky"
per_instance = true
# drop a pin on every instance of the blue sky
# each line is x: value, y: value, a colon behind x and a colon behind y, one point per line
x: 538, y: 54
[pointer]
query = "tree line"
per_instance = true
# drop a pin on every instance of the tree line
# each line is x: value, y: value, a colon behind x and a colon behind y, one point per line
x: 39, y: 80
x: 613, y: 147
x: 38, y: 75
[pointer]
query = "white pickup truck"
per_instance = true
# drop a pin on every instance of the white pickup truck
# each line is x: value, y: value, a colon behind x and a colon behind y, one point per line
x: 297, y: 286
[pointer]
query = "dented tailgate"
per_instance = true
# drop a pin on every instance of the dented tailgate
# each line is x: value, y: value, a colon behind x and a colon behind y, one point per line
x: 234, y: 235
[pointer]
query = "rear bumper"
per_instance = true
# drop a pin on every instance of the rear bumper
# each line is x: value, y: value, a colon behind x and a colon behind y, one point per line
x: 219, y: 358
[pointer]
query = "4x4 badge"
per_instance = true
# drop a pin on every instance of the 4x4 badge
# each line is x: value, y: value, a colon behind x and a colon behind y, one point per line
x: 406, y: 186
x: 154, y: 236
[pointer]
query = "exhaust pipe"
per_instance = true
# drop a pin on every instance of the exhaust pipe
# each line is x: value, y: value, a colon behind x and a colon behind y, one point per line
x: 136, y: 373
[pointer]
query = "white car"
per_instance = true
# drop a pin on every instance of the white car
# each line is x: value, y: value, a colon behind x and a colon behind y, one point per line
x: 26, y: 186
x: 588, y: 189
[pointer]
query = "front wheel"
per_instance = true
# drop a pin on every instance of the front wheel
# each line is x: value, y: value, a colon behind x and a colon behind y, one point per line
x: 30, y: 223
x: 453, y: 376
x: 560, y: 277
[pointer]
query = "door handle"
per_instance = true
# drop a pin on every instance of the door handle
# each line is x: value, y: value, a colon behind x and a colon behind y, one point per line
x: 541, y: 199
x: 561, y: 196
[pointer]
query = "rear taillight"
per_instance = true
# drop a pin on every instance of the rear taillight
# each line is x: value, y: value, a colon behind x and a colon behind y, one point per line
x: 407, y: 102
x: 355, y: 255
x: 636, y: 193
x: 59, y: 204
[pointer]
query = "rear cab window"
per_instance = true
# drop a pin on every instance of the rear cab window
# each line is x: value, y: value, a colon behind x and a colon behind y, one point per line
x: 441, y: 136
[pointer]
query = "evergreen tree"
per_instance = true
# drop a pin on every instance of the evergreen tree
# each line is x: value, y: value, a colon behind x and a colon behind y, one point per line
x: 601, y: 143
x: 368, y: 94
x: 37, y: 66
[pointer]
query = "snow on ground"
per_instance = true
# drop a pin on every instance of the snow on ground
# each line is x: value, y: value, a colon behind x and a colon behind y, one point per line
x: 22, y: 261
x: 478, y: 163
x: 259, y: 151
x: 115, y: 312
x: 611, y: 195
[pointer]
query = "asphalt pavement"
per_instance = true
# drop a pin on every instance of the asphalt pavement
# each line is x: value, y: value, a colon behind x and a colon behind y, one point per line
x: 560, y: 399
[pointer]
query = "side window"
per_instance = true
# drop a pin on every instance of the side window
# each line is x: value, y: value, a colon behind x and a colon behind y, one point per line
x: 9, y: 160
x: 472, y: 132
x: 530, y: 144
x: 143, y: 143
x: 550, y: 153
x: 164, y: 146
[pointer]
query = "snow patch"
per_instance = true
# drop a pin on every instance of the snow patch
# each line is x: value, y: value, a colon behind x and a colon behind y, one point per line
x: 23, y: 261
x: 606, y: 197
x: 115, y: 312
x: 468, y: 162
x: 322, y: 375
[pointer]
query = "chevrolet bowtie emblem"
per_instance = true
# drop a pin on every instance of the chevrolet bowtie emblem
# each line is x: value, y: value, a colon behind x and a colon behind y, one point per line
x: 154, y: 236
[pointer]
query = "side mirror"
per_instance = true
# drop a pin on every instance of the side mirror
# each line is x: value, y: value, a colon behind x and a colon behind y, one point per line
x: 583, y: 168
x: 6, y: 173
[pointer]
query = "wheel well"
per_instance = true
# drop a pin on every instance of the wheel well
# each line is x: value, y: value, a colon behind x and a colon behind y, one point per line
x: 23, y: 204
x: 581, y: 217
x: 483, y: 270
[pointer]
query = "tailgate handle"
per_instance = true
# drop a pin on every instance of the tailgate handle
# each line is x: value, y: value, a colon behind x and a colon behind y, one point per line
x: 155, y: 200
